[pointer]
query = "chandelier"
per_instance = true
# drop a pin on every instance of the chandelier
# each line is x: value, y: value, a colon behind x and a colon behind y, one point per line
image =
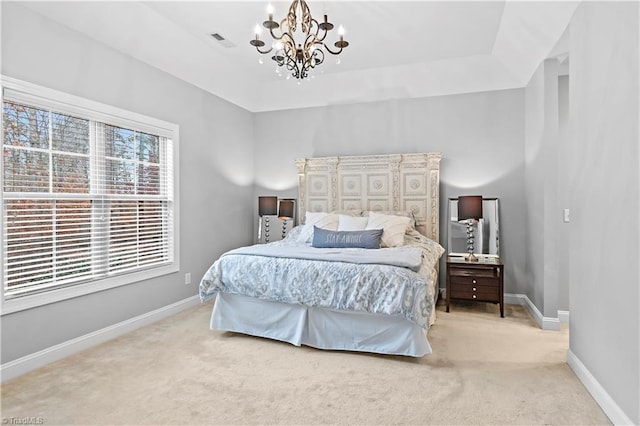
x: 305, y: 54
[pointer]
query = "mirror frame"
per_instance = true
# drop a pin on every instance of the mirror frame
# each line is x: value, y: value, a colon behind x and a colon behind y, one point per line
x: 497, y: 220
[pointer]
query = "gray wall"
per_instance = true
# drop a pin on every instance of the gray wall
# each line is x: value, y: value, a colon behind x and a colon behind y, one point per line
x: 543, y: 213
x: 480, y: 135
x: 563, y: 151
x: 604, y: 193
x: 216, y: 169
x: 534, y: 186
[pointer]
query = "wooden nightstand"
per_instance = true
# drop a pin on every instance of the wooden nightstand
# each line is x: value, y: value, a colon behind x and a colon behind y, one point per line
x: 481, y: 281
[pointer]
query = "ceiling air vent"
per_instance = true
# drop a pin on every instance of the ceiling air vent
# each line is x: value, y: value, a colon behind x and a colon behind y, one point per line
x: 222, y: 41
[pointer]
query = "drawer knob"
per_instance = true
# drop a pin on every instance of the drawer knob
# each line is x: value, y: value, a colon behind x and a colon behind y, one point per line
x: 474, y: 281
x: 474, y: 289
x: 474, y: 296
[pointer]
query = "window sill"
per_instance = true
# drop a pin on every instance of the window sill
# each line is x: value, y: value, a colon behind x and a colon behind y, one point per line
x: 36, y: 300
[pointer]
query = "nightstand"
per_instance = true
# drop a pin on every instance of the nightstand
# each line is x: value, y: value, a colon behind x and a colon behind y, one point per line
x: 481, y: 281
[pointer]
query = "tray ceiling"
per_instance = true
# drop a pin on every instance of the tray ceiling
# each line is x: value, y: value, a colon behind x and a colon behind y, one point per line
x: 397, y: 49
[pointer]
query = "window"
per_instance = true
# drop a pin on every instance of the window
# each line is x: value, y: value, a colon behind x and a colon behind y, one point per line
x: 88, y: 199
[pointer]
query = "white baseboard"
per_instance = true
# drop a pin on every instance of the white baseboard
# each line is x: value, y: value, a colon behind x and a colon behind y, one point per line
x: 602, y: 397
x: 545, y: 323
x: 563, y: 316
x: 41, y: 358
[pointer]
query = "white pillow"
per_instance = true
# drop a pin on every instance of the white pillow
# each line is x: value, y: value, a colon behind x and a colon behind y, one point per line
x: 393, y: 228
x: 321, y: 220
x: 352, y: 223
x: 409, y: 214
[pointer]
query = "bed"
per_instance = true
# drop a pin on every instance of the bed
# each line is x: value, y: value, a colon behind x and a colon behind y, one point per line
x: 315, y: 287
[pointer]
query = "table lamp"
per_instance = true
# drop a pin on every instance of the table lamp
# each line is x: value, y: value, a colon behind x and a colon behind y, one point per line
x: 267, y: 206
x: 470, y: 210
x: 285, y: 213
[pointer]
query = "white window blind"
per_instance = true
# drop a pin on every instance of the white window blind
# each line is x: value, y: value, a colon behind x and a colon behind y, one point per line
x: 83, y: 199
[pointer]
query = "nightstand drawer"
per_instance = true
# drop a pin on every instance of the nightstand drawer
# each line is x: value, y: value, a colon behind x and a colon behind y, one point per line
x: 475, y: 281
x: 482, y: 293
x: 490, y: 272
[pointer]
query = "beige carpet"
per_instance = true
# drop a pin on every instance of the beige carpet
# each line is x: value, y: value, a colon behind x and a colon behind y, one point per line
x: 484, y: 370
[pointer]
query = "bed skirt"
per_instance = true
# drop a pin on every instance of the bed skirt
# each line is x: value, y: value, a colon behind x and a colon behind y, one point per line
x: 319, y: 327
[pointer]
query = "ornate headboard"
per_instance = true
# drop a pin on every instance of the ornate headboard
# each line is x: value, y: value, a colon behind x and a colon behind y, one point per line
x: 406, y: 182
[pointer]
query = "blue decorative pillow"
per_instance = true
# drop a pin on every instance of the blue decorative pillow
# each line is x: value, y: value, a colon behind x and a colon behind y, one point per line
x: 368, y: 239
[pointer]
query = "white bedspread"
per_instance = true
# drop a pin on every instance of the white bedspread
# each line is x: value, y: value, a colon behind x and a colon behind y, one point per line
x: 404, y: 257
x: 355, y: 285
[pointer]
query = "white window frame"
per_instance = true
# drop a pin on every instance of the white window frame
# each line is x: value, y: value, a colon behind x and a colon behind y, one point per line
x: 114, y: 116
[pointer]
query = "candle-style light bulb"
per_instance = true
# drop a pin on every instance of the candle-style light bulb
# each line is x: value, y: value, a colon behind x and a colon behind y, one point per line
x: 270, y: 11
x: 258, y: 30
x: 341, y: 31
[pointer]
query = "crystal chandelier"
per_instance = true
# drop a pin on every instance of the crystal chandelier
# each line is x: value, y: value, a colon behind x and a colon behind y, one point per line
x: 308, y: 52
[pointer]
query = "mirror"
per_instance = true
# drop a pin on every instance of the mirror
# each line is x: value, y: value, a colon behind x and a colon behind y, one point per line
x: 486, y: 231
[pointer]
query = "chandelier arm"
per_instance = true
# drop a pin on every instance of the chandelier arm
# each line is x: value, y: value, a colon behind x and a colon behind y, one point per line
x: 264, y: 52
x: 321, y: 39
x: 288, y: 42
x: 293, y: 67
x: 291, y: 21
x: 289, y: 51
x: 308, y: 64
x: 274, y: 36
x: 305, y: 21
x: 291, y: 17
x: 310, y: 41
x: 331, y: 51
x: 319, y: 58
x: 314, y: 28
x: 279, y: 60
x: 317, y: 32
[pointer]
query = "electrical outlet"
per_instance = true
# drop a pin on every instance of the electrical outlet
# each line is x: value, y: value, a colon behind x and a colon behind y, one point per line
x: 187, y: 278
x: 566, y: 215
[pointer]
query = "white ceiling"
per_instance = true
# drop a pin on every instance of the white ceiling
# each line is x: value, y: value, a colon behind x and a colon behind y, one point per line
x: 397, y: 49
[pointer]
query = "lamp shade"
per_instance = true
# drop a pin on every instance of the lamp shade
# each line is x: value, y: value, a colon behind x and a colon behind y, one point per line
x: 267, y: 206
x: 469, y: 207
x: 286, y: 209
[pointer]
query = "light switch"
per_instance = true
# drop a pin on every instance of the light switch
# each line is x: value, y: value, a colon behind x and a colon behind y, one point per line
x: 566, y: 215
